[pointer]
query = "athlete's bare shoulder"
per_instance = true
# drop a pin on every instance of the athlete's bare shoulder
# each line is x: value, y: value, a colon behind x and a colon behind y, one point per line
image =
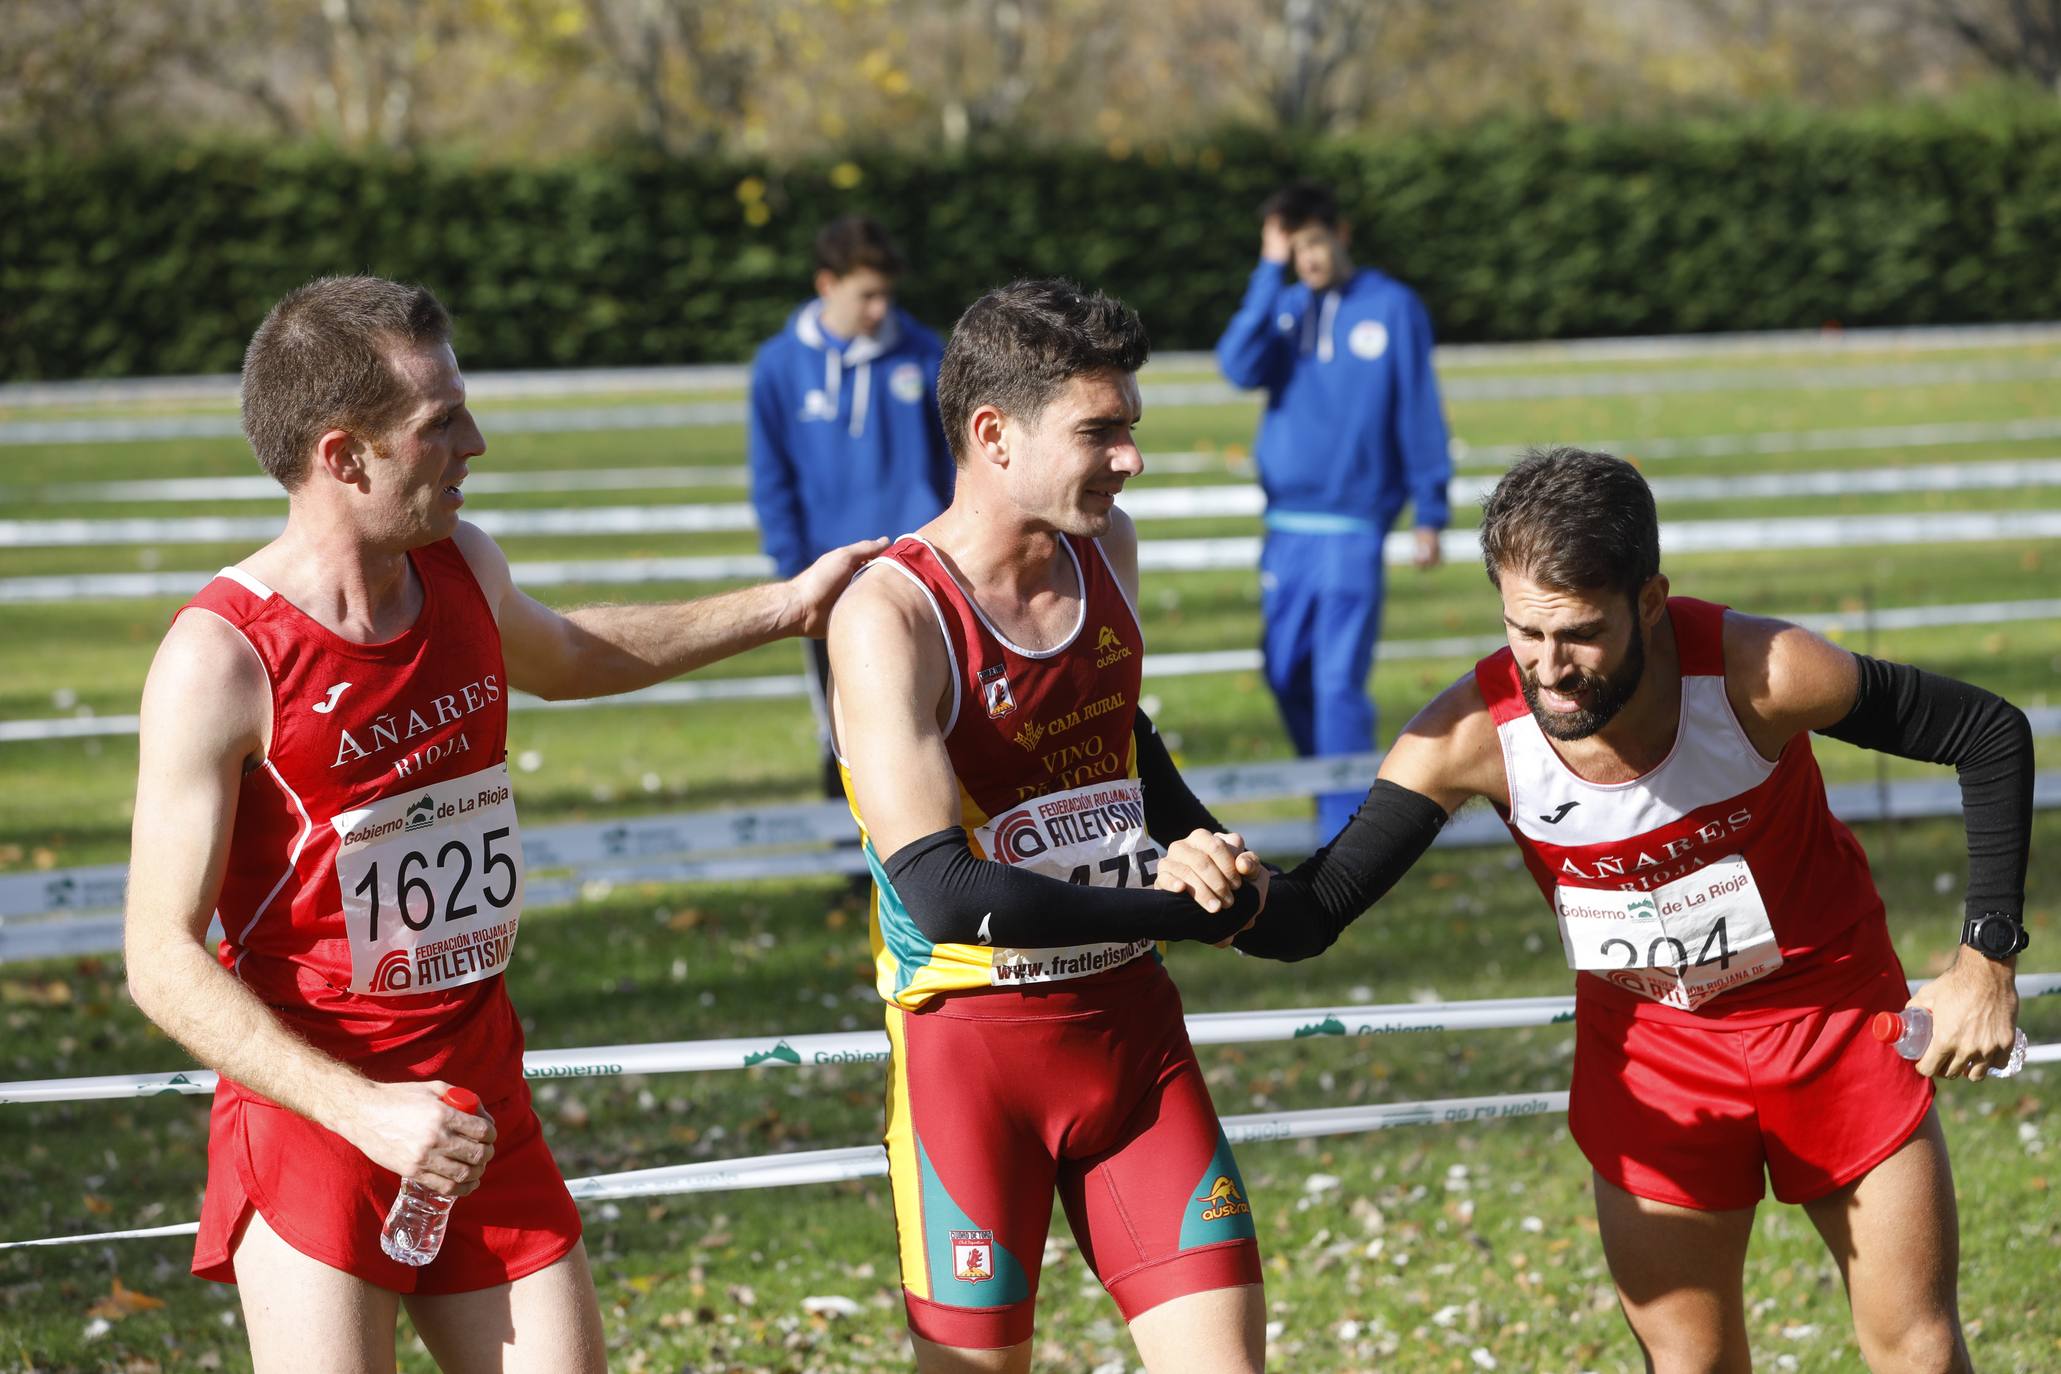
x: 488, y: 563
x: 1449, y: 751
x: 1783, y: 679
x: 208, y: 689
x: 1120, y: 546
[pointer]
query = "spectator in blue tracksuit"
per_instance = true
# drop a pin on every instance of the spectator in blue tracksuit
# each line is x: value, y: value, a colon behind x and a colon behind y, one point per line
x: 1352, y: 432
x: 845, y: 441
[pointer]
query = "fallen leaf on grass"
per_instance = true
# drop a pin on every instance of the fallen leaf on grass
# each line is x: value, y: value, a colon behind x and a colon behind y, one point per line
x: 123, y: 1301
x: 99, y: 1207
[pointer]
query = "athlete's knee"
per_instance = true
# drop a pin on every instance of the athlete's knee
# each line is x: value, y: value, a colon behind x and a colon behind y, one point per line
x: 1688, y: 1348
x: 1929, y: 1345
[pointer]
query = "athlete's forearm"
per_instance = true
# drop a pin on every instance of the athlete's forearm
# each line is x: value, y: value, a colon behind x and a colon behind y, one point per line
x: 622, y: 648
x: 955, y: 898
x: 221, y: 1023
x: 1914, y: 714
x: 1307, y: 909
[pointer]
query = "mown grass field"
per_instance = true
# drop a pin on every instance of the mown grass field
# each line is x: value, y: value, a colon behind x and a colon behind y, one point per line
x: 1411, y: 1250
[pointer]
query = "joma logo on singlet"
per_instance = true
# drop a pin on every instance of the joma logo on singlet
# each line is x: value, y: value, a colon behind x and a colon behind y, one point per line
x: 389, y: 728
x: 1637, y: 864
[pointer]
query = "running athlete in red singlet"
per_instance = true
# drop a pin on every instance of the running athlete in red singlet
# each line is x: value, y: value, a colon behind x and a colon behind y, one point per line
x: 323, y: 765
x: 1652, y: 759
x: 1014, y: 802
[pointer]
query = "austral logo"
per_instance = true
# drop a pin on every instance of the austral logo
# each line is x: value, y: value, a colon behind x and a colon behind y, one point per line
x: 1224, y: 1200
x: 783, y: 1052
x: 1109, y: 649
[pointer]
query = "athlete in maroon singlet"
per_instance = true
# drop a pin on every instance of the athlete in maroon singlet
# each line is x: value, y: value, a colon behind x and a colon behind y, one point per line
x: 323, y: 764
x: 1014, y: 801
x: 1651, y: 756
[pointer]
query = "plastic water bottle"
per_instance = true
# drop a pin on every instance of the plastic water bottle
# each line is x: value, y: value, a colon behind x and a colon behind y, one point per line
x: 1911, y: 1032
x: 414, y: 1230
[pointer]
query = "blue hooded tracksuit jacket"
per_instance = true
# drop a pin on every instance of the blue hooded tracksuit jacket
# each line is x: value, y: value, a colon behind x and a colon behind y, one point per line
x: 845, y: 442
x: 1352, y: 432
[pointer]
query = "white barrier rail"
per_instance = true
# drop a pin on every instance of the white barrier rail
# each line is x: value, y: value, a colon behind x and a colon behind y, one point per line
x: 870, y: 1161
x: 866, y: 1047
x: 1678, y: 538
x: 1764, y: 442
x: 222, y: 388
x: 1157, y: 395
x: 1201, y: 663
x: 1228, y: 500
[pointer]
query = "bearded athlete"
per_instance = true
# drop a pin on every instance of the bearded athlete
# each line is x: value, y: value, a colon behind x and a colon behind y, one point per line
x: 1651, y: 756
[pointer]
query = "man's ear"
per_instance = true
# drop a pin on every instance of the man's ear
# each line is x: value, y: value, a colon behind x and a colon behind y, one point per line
x: 1653, y: 600
x: 987, y: 428
x: 342, y: 457
x: 826, y: 280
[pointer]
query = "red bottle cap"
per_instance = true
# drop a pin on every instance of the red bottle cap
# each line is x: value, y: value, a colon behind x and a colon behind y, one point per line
x: 462, y: 1099
x: 1886, y: 1026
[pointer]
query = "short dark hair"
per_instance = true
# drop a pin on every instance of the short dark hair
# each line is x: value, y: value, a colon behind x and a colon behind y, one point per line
x: 323, y: 360
x: 850, y: 242
x: 1300, y: 203
x: 1019, y: 344
x: 1573, y: 521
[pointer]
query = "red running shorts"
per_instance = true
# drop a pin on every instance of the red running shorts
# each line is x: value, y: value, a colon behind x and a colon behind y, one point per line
x: 328, y: 1201
x: 1702, y: 1116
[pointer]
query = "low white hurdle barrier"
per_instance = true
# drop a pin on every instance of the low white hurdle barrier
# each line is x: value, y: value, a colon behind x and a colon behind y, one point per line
x: 870, y: 1161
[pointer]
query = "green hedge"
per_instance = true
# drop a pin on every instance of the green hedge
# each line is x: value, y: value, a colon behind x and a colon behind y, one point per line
x: 162, y: 261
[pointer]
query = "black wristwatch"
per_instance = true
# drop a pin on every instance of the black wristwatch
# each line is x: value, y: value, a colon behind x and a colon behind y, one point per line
x: 1995, y: 934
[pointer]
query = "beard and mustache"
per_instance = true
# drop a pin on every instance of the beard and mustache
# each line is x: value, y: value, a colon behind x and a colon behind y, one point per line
x: 1609, y: 693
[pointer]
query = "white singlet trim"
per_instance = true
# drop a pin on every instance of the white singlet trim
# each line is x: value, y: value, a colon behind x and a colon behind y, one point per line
x: 293, y: 860
x: 246, y: 581
x: 943, y: 629
x: 1080, y: 578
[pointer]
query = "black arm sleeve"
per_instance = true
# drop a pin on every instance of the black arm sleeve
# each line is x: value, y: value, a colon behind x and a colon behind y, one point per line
x: 1914, y: 714
x: 1172, y: 811
x: 955, y: 898
x: 1309, y: 907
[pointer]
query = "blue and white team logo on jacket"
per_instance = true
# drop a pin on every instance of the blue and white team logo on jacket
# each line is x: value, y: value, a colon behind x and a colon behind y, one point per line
x: 905, y: 383
x: 1369, y: 339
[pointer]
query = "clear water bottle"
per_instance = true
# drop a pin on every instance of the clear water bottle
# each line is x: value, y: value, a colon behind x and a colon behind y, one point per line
x: 414, y: 1230
x: 1911, y: 1032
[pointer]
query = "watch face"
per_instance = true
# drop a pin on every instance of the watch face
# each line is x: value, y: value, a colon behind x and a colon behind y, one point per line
x: 1994, y: 936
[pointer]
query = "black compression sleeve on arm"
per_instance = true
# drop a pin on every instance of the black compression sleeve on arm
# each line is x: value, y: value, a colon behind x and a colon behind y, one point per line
x: 1172, y: 810
x: 1914, y: 714
x: 1308, y: 908
x: 955, y: 898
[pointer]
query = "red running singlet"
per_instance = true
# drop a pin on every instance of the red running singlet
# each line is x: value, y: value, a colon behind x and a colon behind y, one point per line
x: 373, y: 889
x: 1716, y: 881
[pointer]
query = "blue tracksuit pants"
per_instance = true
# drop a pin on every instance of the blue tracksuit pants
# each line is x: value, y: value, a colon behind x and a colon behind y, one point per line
x: 1320, y: 600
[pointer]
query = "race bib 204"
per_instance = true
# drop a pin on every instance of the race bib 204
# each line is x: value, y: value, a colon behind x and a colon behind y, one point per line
x: 432, y: 885
x: 1681, y: 944
x: 1094, y: 836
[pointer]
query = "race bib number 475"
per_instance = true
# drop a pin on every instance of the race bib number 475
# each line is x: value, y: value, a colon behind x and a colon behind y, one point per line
x: 1094, y: 836
x: 1681, y: 944
x: 432, y: 885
